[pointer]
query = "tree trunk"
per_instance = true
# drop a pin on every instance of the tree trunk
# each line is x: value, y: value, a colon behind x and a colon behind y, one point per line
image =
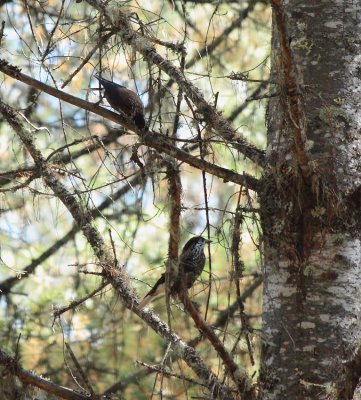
x: 311, y: 212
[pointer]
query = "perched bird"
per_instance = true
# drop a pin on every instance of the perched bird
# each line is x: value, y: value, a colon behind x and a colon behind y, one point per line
x: 124, y: 100
x: 191, y: 264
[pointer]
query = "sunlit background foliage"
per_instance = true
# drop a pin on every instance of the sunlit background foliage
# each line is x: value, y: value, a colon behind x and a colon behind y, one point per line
x: 49, y: 40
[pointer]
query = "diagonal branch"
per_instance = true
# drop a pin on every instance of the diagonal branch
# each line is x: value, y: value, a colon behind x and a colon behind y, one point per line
x: 116, y: 275
x: 59, y: 157
x: 151, y: 139
x: 9, y: 283
x: 29, y: 377
x: 162, y: 143
x: 239, y: 377
x: 221, y: 321
x: 208, y: 49
x: 16, y: 73
x: 236, y: 24
x: 120, y: 21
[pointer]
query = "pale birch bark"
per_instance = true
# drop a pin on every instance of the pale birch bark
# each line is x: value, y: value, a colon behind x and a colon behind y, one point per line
x: 312, y: 291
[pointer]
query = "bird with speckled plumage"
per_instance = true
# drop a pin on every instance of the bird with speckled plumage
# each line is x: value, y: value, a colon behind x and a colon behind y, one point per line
x: 191, y: 264
x: 124, y: 100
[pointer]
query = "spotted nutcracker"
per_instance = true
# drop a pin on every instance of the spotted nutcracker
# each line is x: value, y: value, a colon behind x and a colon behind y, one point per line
x: 124, y: 100
x: 191, y: 264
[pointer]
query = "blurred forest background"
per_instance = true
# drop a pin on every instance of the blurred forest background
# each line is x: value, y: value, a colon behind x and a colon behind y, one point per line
x: 58, y: 314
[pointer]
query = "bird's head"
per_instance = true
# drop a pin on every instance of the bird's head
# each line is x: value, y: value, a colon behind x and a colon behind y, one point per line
x: 197, y: 243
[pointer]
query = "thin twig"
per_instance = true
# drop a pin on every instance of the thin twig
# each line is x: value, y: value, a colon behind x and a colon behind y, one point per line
x: 80, y: 370
x: 165, y: 371
x: 76, y: 303
x: 213, y: 118
x: 118, y: 277
x: 151, y: 139
x: 239, y: 377
x: 31, y: 378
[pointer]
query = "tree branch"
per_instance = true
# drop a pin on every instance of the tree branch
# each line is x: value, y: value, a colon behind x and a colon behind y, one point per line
x: 151, y: 139
x: 162, y: 143
x: 16, y: 73
x: 239, y: 377
x: 14, y: 368
x: 116, y: 275
x: 120, y: 21
x: 9, y: 283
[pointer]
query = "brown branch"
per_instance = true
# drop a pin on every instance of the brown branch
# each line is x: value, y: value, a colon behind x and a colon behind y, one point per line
x: 236, y: 24
x: 98, y: 142
x: 16, y: 73
x: 220, y: 321
x: 122, y: 384
x: 76, y: 303
x: 214, y: 118
x: 174, y: 191
x: 2, y: 27
x: 22, y: 185
x: 162, y: 143
x: 8, y: 176
x: 80, y: 370
x: 161, y: 369
x: 14, y: 368
x: 217, y: 2
x: 234, y: 114
x: 9, y: 283
x: 239, y: 377
x: 224, y: 315
x: 292, y: 92
x: 50, y: 45
x: 151, y: 139
x: 238, y: 272
x: 116, y: 275
x: 85, y: 60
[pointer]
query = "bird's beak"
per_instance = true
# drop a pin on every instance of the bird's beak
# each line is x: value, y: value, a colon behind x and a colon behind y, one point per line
x: 208, y: 241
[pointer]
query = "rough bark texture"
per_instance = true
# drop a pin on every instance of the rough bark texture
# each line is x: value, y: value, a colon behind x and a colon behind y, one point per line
x: 312, y: 222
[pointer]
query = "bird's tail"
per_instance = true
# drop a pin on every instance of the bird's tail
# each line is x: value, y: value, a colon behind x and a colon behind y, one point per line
x: 147, y: 299
x: 158, y: 288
